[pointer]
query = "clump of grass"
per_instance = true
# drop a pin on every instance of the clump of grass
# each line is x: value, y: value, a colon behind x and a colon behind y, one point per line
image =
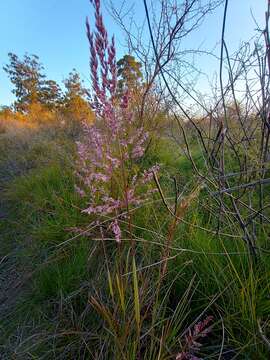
x: 48, y: 198
x: 239, y: 286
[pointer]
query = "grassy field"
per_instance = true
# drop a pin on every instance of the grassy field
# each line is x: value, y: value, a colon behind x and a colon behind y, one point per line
x: 68, y: 296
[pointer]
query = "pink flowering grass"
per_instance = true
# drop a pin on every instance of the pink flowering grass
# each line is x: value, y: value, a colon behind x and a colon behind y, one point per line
x: 108, y: 156
x: 192, y: 344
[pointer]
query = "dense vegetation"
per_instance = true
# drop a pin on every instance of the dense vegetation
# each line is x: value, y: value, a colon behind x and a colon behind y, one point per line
x: 126, y: 232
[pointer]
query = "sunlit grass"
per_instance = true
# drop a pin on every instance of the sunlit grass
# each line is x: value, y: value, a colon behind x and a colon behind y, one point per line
x: 88, y: 295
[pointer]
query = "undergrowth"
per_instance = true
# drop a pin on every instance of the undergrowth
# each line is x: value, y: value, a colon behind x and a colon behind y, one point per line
x: 79, y: 306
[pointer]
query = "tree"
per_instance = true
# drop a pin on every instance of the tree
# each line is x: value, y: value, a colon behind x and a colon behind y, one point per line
x: 129, y: 73
x: 74, y: 85
x: 51, y: 94
x: 27, y: 76
x: 30, y: 83
x: 75, y: 104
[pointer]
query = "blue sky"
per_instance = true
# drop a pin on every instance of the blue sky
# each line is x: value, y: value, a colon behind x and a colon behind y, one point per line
x: 55, y: 31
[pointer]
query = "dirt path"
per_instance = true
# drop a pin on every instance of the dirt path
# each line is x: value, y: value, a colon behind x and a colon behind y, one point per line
x: 9, y: 275
x: 11, y: 278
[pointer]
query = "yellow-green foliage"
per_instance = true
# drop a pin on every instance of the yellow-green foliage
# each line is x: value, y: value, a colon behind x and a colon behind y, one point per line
x: 78, y: 109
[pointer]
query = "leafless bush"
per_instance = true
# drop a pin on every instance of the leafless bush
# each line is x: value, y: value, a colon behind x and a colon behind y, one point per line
x: 233, y: 132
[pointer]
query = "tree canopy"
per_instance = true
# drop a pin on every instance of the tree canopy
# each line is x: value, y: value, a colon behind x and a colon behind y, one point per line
x: 129, y: 73
x: 30, y: 82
